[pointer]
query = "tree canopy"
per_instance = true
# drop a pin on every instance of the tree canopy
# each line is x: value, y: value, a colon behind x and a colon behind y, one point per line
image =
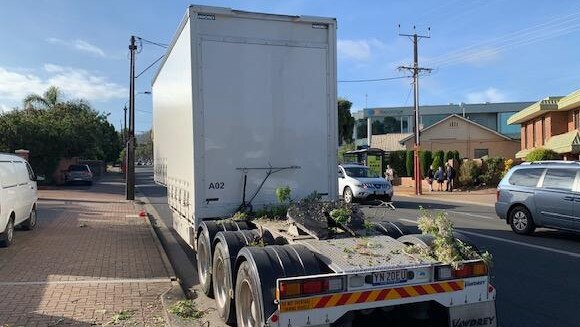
x: 58, y: 129
x: 345, y: 122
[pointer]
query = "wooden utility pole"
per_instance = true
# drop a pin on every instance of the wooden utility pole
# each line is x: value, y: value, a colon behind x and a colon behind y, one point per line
x: 130, y: 180
x: 415, y: 69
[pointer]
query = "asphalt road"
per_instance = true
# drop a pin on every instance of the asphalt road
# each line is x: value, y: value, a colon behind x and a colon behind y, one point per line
x: 536, y: 276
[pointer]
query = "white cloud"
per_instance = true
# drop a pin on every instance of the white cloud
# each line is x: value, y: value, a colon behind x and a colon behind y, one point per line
x: 489, y: 95
x: 75, y: 83
x: 358, y: 49
x: 80, y: 45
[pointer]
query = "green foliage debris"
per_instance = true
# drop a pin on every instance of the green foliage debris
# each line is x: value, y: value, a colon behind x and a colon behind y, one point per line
x: 185, y: 309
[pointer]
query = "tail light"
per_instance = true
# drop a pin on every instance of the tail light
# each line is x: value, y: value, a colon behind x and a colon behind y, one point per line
x: 467, y: 270
x: 308, y: 287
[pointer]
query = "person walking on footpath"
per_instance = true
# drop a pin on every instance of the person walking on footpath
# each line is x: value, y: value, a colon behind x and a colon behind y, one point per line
x: 450, y: 177
x: 440, y: 177
x: 389, y: 174
x: 430, y: 178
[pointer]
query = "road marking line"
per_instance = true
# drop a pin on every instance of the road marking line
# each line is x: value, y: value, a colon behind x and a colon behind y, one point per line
x: 92, y: 281
x: 495, y: 238
x: 472, y: 215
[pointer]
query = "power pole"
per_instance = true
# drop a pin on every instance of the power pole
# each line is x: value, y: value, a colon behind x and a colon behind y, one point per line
x: 125, y: 126
x: 415, y: 69
x: 130, y: 180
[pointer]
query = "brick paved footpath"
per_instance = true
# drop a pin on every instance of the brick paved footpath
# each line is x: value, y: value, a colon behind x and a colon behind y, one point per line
x: 90, y: 258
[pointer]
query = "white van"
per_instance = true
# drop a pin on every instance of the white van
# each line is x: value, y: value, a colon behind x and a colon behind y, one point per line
x: 17, y: 197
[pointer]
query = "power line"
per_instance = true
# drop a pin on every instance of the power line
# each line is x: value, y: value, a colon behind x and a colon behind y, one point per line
x: 162, y: 45
x: 373, y: 79
x: 144, y: 70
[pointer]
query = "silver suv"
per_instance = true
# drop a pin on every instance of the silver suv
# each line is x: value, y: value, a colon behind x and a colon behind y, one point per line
x: 540, y: 194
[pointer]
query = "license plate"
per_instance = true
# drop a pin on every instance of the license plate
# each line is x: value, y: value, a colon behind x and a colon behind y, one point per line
x: 390, y: 277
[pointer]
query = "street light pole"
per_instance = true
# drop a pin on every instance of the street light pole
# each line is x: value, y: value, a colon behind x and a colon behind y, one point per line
x: 130, y: 180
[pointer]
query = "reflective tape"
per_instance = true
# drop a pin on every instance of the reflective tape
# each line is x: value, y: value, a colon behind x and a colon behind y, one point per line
x: 334, y: 300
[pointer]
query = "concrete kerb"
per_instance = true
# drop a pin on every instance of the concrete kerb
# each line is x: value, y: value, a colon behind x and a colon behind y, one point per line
x: 175, y: 293
x: 426, y: 197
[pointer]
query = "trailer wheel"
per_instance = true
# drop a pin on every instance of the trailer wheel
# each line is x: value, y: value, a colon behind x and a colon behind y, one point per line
x: 206, y: 235
x: 204, y: 264
x: 258, y: 270
x: 249, y: 313
x: 225, y: 249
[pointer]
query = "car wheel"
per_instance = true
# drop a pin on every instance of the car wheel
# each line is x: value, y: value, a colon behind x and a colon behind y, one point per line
x: 521, y: 220
x: 386, y: 198
x: 30, y: 223
x: 348, y: 196
x: 8, y: 235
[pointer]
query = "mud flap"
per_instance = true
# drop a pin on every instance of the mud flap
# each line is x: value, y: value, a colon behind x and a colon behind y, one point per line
x: 471, y: 315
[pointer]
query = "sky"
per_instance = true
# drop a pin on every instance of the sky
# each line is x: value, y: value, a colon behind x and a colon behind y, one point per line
x: 479, y: 50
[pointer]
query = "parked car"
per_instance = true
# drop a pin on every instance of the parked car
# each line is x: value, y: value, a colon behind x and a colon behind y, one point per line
x: 17, y: 197
x: 79, y: 174
x: 540, y: 194
x: 359, y: 182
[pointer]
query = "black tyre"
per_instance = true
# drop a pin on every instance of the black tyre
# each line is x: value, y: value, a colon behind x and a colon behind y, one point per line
x: 422, y: 240
x: 386, y: 198
x: 227, y: 245
x: 204, y: 264
x: 392, y: 228
x: 348, y: 195
x: 31, y: 222
x: 222, y: 283
x: 7, y: 236
x: 521, y: 220
x: 257, y: 273
x: 248, y: 303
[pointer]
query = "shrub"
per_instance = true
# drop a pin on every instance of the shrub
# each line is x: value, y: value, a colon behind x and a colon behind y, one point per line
x: 409, y: 163
x: 507, y: 165
x: 437, y: 160
x: 426, y: 158
x: 468, y: 173
x: 542, y: 154
x: 456, y: 156
x: 283, y: 194
x: 492, y: 171
x: 448, y: 156
x: 397, y: 162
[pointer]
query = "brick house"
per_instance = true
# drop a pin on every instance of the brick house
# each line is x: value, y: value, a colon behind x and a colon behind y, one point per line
x: 471, y: 139
x: 552, y: 123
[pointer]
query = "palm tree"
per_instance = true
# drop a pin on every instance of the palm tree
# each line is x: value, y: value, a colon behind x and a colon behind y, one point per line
x: 51, y: 97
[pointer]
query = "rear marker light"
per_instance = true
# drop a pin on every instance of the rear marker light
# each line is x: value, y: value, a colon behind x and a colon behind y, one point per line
x: 473, y: 269
x: 297, y: 288
x: 274, y: 318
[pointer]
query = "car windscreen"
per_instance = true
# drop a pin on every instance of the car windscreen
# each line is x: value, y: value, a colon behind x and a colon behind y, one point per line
x: 77, y: 168
x: 360, y: 172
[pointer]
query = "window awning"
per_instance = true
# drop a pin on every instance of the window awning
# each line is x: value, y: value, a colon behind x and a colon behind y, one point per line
x: 563, y: 143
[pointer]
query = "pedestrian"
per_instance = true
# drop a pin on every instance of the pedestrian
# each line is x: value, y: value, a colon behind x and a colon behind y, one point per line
x: 440, y: 177
x: 450, y: 172
x: 389, y: 174
x: 430, y: 178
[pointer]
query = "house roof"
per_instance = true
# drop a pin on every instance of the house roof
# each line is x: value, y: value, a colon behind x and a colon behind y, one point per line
x: 570, y: 101
x: 535, y: 110
x: 461, y: 118
x: 539, y: 108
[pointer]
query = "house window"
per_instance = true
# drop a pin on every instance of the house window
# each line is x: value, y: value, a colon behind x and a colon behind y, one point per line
x: 576, y: 119
x: 478, y: 153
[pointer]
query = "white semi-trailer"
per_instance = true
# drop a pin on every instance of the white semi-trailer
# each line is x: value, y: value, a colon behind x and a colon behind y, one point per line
x: 245, y: 103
